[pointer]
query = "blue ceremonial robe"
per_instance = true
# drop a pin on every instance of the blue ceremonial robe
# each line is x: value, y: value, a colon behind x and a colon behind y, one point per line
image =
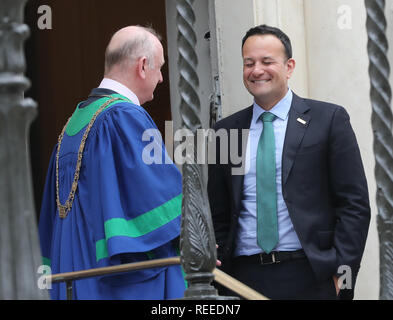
x: 124, y: 209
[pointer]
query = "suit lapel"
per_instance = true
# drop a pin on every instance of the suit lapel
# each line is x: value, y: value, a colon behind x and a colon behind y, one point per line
x: 243, y: 122
x: 298, y: 122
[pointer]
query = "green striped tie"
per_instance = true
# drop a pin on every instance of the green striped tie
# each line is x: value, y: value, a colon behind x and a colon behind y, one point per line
x: 267, y: 229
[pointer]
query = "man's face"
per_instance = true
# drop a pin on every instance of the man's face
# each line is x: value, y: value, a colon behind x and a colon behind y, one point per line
x: 266, y: 69
x: 153, y: 72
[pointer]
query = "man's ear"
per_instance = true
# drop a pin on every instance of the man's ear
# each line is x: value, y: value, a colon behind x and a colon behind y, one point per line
x: 291, y: 63
x: 141, y: 67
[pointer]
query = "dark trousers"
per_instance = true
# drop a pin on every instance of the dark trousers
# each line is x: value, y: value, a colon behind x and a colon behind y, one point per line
x: 288, y: 280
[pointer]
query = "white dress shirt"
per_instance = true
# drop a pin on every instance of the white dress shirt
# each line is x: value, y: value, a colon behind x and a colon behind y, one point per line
x: 246, y: 241
x: 114, y: 85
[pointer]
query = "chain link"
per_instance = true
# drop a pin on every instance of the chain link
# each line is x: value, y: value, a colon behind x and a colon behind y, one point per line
x: 64, y: 209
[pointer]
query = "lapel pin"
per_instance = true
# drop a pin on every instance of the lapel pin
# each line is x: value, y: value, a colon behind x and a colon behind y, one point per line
x: 301, y: 121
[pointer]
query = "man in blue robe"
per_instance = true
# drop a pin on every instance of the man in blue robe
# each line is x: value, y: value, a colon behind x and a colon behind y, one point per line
x: 102, y: 204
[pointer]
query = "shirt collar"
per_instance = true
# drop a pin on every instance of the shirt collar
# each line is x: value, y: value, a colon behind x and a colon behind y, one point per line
x: 119, y: 88
x: 280, y: 110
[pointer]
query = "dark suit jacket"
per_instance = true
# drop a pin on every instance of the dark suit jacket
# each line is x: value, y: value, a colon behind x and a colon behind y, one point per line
x: 323, y: 185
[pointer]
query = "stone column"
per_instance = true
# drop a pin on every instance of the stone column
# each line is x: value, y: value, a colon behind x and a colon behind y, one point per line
x: 19, y: 247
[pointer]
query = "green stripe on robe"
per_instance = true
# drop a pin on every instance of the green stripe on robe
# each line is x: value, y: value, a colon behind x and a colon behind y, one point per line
x: 82, y: 116
x: 46, y: 261
x: 139, y: 226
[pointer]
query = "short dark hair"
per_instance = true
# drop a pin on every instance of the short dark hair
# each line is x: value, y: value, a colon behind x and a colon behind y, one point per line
x: 265, y: 29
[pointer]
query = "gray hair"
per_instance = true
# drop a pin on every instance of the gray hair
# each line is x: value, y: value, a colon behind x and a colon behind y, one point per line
x: 133, y: 49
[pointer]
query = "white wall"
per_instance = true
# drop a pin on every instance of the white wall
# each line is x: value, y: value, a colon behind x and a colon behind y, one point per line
x: 233, y: 18
x: 338, y: 64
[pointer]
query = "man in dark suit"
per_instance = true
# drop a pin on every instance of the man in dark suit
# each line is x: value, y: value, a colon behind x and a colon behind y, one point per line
x: 294, y: 224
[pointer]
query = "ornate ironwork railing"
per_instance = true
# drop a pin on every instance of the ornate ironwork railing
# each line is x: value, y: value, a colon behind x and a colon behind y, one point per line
x: 221, y: 277
x: 381, y: 121
x: 197, y: 241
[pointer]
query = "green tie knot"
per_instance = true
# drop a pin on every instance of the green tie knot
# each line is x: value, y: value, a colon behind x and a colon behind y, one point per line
x: 267, y: 117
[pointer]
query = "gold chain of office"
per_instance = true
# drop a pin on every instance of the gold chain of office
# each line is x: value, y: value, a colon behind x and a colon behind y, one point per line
x: 64, y: 209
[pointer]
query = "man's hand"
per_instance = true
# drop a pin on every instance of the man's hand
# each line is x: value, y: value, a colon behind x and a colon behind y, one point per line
x: 218, y: 263
x: 335, y: 279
